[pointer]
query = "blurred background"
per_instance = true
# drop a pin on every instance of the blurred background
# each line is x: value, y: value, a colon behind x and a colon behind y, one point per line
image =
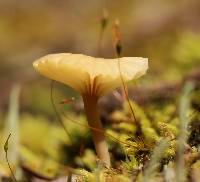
x: 166, y: 32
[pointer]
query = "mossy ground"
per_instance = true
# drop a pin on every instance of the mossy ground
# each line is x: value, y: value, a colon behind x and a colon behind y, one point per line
x: 163, y: 145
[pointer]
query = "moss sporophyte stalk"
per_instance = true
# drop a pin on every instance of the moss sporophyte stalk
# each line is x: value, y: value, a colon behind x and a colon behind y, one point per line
x: 92, y: 78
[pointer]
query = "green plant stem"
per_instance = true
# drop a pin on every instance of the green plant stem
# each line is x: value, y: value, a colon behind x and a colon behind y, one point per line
x: 6, y: 152
x: 13, y: 176
x: 90, y: 105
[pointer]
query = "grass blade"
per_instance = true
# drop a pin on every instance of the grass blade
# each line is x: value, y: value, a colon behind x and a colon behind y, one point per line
x: 150, y: 171
x: 182, y: 138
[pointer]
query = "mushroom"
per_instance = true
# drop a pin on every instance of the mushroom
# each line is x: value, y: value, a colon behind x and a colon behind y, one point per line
x: 93, y: 78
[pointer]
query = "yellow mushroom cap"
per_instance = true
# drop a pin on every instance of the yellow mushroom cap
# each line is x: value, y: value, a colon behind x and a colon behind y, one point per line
x: 89, y: 75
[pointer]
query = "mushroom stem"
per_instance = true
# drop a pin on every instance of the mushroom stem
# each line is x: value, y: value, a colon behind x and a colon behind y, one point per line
x: 90, y: 105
